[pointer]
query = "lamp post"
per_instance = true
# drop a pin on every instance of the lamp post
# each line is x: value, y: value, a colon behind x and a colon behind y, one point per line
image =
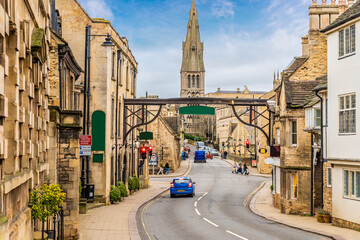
x: 86, y: 109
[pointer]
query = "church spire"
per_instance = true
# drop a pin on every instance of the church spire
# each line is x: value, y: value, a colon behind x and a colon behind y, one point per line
x: 193, y: 47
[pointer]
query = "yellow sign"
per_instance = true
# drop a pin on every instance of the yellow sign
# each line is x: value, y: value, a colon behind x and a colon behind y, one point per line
x: 262, y: 150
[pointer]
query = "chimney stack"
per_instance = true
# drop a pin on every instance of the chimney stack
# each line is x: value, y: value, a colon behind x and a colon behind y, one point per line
x: 218, y: 90
x: 333, y: 2
x: 350, y: 3
x: 342, y: 4
x: 314, y: 2
x: 324, y: 2
x: 238, y: 89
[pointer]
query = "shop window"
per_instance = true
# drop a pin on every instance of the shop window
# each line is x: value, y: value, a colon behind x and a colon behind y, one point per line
x: 293, y: 133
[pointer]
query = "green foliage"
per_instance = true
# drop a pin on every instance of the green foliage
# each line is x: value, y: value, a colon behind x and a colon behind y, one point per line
x: 272, y: 187
x: 131, y: 184
x: 188, y: 136
x: 114, y: 194
x: 122, y: 188
x: 136, y: 181
x: 46, y: 201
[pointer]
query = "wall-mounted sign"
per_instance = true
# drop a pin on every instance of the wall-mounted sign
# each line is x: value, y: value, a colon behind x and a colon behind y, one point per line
x: 85, y: 145
x: 263, y: 150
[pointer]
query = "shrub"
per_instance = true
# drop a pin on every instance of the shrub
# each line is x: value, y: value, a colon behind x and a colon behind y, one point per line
x: 136, y: 182
x: 272, y: 187
x: 131, y: 183
x: 46, y: 201
x: 122, y: 189
x: 188, y: 136
x: 114, y: 194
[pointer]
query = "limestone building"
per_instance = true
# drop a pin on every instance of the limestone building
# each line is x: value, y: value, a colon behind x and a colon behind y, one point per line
x: 111, y: 75
x: 300, y: 167
x: 24, y: 114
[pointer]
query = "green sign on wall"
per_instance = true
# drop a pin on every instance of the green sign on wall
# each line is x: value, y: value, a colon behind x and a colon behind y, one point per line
x: 146, y: 136
x: 196, y: 110
x: 98, y: 131
x: 98, y: 157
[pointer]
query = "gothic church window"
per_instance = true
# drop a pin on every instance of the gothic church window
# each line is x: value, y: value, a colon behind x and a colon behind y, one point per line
x: 189, y: 82
x: 197, y: 81
x: 193, y: 80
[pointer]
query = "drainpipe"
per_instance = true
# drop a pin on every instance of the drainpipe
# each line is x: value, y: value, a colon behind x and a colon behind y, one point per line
x: 322, y: 146
x: 312, y: 177
x: 88, y: 100
x: 60, y: 81
x: 116, y: 118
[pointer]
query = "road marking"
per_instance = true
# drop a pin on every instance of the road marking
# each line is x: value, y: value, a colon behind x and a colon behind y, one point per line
x: 210, y: 164
x: 195, y: 204
x: 200, y: 198
x: 234, y: 234
x: 248, y: 198
x: 210, y: 222
x: 142, y: 217
x: 205, y: 194
x: 198, y: 213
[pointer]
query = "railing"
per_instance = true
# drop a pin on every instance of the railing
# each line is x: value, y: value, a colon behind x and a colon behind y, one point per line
x: 53, y: 227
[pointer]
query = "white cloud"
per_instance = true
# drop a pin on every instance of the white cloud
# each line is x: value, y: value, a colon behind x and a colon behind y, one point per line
x: 97, y: 8
x: 223, y: 8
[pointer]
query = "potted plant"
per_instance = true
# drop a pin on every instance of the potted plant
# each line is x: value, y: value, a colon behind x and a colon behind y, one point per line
x: 45, y: 202
x: 319, y: 214
x: 327, y: 217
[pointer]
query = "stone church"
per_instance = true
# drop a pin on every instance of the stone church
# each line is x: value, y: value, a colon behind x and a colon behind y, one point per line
x: 192, y: 68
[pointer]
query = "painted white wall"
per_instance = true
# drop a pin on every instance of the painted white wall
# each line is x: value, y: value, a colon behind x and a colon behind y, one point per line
x: 343, y: 207
x: 343, y: 78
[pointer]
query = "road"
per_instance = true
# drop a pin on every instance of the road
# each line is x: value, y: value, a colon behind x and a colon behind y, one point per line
x: 216, y: 212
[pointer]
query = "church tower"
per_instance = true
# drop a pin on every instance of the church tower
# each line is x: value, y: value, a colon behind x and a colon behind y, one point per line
x: 192, y: 68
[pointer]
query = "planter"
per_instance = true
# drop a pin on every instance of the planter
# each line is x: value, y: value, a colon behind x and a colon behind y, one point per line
x: 320, y: 218
x: 327, y: 218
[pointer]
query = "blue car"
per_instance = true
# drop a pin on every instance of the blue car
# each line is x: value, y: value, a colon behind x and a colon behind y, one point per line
x: 182, y: 186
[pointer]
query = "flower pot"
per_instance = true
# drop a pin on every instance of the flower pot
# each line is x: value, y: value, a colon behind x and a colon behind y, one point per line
x: 320, y: 218
x: 327, y: 218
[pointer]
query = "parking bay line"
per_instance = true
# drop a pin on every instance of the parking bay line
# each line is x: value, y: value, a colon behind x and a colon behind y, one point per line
x: 234, y: 234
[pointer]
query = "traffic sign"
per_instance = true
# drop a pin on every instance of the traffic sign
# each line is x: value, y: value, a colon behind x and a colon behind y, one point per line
x: 85, y: 140
x: 85, y: 150
x: 153, y: 160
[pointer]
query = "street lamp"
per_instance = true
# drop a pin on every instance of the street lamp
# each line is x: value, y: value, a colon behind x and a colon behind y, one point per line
x: 137, y: 143
x: 86, y: 110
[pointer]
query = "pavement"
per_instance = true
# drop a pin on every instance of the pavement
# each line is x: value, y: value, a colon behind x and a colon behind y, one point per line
x: 261, y: 204
x: 118, y: 221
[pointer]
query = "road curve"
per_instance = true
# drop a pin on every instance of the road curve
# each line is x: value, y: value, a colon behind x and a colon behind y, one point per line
x: 216, y: 212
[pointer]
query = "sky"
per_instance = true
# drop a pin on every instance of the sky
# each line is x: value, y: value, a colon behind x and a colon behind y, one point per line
x: 245, y: 41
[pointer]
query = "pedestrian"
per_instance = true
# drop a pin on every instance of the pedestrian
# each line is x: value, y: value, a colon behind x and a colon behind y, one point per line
x: 183, y: 155
x: 246, y: 172
x: 167, y: 168
x: 161, y: 170
x: 240, y: 168
x: 234, y: 168
x: 222, y: 155
x: 225, y: 154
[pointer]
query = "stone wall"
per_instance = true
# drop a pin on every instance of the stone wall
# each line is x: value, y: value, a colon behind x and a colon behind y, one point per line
x: 327, y: 190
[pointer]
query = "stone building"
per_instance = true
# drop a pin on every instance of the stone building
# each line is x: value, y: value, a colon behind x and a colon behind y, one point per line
x: 111, y: 76
x: 24, y: 114
x: 230, y: 132
x: 298, y: 81
x: 192, y: 69
x: 64, y: 126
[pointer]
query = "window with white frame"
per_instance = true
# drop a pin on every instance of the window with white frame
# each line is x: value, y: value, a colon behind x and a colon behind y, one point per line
x: 347, y: 113
x: 312, y: 118
x: 347, y: 41
x: 328, y: 176
x: 293, y: 181
x: 293, y: 133
x: 351, y: 184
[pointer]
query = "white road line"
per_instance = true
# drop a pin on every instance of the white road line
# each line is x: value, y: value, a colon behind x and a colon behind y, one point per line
x: 205, y: 194
x: 210, y: 164
x: 210, y: 222
x: 198, y: 213
x: 234, y: 234
x: 195, y: 204
x: 200, y: 198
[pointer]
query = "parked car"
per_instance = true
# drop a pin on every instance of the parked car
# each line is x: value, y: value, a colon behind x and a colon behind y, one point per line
x: 182, y: 186
x: 214, y: 152
x: 200, y: 144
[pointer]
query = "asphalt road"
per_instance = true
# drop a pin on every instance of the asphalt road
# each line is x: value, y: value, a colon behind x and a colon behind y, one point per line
x: 216, y: 212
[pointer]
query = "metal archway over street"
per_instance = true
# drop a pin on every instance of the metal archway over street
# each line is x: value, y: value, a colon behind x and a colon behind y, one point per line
x: 138, y: 109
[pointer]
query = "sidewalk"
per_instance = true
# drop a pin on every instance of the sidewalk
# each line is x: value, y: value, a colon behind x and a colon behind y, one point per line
x: 261, y: 204
x: 252, y: 171
x: 183, y: 169
x: 118, y: 221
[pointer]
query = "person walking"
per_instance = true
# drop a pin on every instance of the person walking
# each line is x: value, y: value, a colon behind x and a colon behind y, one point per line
x: 222, y: 155
x: 161, y: 170
x: 225, y: 154
x: 246, y: 172
x: 240, y: 168
x: 167, y: 168
x: 235, y: 170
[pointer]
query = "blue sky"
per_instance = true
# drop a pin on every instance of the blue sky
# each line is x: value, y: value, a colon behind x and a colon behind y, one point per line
x: 245, y: 40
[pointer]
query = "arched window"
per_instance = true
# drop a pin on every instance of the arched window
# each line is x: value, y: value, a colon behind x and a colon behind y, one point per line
x: 189, y: 82
x: 193, y: 81
x: 197, y: 81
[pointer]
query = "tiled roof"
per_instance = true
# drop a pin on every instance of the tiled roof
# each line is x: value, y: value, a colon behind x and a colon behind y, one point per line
x: 348, y: 15
x: 298, y: 93
x: 295, y: 64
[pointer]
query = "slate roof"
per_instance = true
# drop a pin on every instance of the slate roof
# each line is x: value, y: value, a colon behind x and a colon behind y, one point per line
x: 295, y: 64
x: 313, y: 99
x: 298, y: 93
x: 348, y: 15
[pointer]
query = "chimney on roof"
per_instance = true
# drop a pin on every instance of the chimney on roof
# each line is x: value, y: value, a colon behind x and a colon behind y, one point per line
x: 324, y: 2
x: 350, y: 3
x: 333, y: 2
x: 314, y: 2
x: 218, y: 90
x: 342, y: 5
x: 238, y: 89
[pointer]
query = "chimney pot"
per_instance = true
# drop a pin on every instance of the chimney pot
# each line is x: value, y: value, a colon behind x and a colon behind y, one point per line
x: 238, y: 89
x: 314, y: 2
x: 333, y: 2
x: 218, y: 90
x: 323, y: 2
